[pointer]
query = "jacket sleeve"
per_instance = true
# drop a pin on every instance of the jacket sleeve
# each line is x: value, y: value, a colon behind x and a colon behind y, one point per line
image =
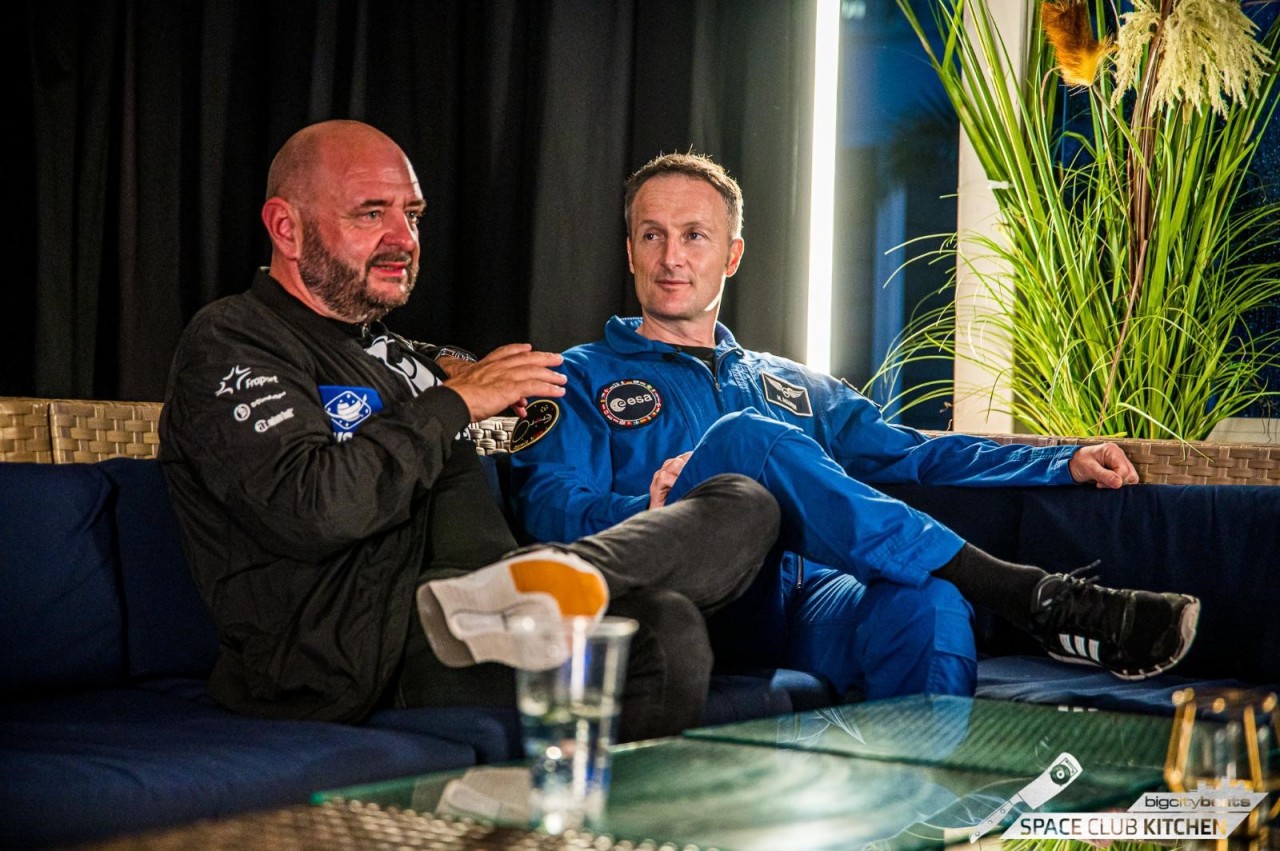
x: 875, y: 451
x: 267, y: 456
x: 562, y: 483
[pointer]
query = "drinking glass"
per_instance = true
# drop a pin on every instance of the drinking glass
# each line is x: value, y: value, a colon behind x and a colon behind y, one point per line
x: 569, y: 715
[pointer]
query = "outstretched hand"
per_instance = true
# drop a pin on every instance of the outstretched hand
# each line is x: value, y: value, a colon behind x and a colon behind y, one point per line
x: 666, y: 476
x: 505, y: 378
x: 1104, y: 464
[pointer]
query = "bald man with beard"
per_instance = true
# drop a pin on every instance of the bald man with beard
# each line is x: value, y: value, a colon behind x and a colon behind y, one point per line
x: 313, y: 460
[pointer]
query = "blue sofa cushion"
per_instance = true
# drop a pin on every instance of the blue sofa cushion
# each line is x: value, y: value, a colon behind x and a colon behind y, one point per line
x: 62, y: 627
x: 988, y: 518
x: 493, y: 732
x: 1217, y: 542
x: 87, y: 766
x: 761, y: 693
x: 170, y: 632
x: 1039, y: 679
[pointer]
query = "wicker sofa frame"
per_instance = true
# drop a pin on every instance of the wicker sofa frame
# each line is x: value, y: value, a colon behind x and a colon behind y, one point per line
x: 78, y: 431
x: 65, y: 431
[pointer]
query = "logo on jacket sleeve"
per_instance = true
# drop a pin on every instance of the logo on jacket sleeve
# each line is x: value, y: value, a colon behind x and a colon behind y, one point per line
x: 537, y: 421
x: 242, y: 377
x: 630, y: 403
x: 348, y: 407
x: 784, y: 394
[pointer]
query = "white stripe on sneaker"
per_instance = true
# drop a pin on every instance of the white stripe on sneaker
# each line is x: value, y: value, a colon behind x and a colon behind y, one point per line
x: 1081, y: 647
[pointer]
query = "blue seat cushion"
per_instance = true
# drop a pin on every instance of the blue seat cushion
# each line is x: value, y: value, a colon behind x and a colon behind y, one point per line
x: 1039, y: 679
x: 492, y: 732
x: 62, y: 625
x: 805, y: 690
x: 170, y: 632
x: 760, y: 693
x: 83, y: 767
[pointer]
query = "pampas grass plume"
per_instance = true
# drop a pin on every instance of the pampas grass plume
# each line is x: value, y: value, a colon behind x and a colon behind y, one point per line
x: 1066, y: 23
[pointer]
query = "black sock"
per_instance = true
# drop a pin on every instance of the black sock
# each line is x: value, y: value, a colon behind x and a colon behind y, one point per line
x: 1002, y: 586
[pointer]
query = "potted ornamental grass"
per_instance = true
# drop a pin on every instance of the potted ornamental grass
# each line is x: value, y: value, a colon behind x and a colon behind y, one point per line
x: 1134, y: 242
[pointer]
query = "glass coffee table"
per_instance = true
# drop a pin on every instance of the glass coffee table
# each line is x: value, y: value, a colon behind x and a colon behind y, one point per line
x: 916, y: 772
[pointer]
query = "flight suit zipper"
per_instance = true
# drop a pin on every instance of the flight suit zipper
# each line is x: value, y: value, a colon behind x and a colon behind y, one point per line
x: 715, y: 380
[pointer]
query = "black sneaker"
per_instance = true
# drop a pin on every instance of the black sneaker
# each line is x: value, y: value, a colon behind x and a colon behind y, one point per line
x: 1133, y: 634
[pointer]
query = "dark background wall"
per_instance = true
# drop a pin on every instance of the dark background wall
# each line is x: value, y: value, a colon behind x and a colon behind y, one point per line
x: 141, y: 132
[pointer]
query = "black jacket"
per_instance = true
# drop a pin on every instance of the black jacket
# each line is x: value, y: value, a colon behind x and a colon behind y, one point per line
x: 305, y: 523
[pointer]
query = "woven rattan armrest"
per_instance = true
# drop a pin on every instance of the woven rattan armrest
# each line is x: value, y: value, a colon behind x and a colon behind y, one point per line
x: 1176, y: 462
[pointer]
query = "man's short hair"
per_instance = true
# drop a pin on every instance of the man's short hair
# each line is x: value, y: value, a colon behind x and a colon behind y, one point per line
x: 697, y: 166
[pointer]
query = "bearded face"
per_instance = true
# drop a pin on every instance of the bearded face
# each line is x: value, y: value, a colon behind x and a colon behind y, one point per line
x: 347, y: 291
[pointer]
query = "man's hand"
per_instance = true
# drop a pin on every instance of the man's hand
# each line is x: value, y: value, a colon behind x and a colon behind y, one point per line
x: 1104, y: 464
x: 505, y: 378
x: 665, y: 478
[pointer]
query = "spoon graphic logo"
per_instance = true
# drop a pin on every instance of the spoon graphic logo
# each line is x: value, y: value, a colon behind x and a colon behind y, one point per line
x: 348, y: 407
x: 1058, y: 776
x: 351, y: 411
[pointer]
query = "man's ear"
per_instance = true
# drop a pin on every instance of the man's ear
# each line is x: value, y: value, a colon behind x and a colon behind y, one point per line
x: 284, y: 226
x: 631, y: 267
x: 735, y: 257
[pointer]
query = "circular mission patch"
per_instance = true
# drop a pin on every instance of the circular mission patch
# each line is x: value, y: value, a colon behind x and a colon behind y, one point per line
x: 538, y: 420
x: 630, y: 403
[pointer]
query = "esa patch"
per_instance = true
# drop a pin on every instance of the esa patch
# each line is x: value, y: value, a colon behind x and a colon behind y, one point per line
x: 630, y: 403
x: 784, y: 394
x: 539, y: 419
x: 348, y: 407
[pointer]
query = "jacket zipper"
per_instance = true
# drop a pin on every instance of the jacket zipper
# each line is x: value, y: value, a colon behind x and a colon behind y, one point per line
x: 715, y: 380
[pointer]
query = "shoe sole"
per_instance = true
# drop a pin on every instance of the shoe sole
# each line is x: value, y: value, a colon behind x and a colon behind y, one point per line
x: 489, y: 615
x: 577, y: 587
x: 1186, y: 636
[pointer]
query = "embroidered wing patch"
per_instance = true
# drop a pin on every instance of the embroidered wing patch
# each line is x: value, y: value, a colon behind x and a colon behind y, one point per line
x: 784, y: 394
x: 540, y: 418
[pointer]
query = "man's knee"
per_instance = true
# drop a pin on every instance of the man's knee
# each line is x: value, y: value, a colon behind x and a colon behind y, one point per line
x: 739, y: 442
x: 748, y: 511
x: 736, y: 523
x: 746, y: 430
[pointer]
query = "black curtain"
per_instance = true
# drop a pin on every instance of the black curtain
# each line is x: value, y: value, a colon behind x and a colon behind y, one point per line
x: 143, y: 133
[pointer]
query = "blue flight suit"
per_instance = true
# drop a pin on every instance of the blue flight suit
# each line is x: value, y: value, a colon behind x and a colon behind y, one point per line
x: 853, y: 599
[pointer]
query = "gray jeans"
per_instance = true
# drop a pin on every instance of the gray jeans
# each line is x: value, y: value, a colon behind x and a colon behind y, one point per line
x: 665, y: 568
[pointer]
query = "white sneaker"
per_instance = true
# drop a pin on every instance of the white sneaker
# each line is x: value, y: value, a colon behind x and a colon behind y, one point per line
x: 493, y: 614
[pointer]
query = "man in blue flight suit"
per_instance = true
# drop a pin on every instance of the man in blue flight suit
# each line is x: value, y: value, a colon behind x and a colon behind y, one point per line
x: 871, y: 594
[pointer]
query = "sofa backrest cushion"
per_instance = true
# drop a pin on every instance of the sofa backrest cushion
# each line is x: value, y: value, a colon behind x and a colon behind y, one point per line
x: 988, y: 518
x: 62, y: 623
x: 1217, y: 542
x: 170, y: 632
